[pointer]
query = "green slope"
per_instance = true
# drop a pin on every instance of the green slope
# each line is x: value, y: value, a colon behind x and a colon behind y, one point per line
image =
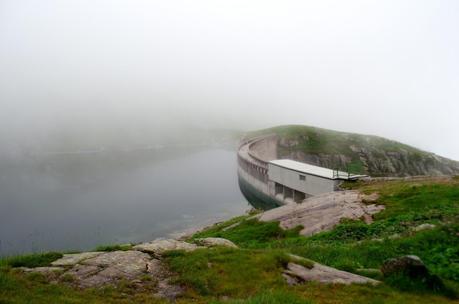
x: 357, y: 153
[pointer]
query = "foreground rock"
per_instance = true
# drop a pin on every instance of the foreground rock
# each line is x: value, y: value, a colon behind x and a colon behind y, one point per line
x: 214, y: 241
x: 322, y: 212
x: 94, y: 269
x: 91, y: 269
x: 74, y: 258
x: 44, y: 270
x: 112, y: 266
x: 414, y: 269
x: 423, y: 227
x: 158, y: 247
x: 409, y: 264
x: 295, y: 274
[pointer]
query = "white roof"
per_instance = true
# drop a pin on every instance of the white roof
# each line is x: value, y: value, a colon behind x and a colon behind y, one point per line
x: 312, y: 170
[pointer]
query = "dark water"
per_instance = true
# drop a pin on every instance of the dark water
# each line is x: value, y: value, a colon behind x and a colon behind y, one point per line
x: 68, y: 204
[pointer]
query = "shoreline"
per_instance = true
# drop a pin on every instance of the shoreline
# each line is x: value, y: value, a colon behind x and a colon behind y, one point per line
x: 188, y: 232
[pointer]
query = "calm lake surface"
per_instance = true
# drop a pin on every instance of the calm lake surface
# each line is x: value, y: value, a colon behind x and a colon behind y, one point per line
x: 77, y: 202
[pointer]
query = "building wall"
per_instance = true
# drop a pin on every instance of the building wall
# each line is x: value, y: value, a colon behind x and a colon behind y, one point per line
x: 312, y: 184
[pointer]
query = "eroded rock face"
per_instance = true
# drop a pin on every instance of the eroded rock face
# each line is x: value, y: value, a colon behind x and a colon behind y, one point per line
x: 158, y: 247
x: 410, y: 264
x: 423, y: 227
x: 214, y: 241
x: 412, y: 267
x: 376, y: 157
x: 295, y: 274
x: 110, y: 267
x: 74, y: 258
x: 322, y: 212
x: 44, y: 270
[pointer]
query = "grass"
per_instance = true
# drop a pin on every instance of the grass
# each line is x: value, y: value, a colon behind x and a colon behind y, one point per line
x: 31, y: 260
x: 271, y: 297
x: 249, y: 233
x: 253, y: 273
x: 114, y: 247
x: 354, y: 245
x: 341, y: 150
x: 227, y: 272
x: 16, y: 287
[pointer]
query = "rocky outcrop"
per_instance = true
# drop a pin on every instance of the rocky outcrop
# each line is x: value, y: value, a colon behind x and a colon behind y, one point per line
x: 94, y: 269
x: 410, y: 265
x: 112, y: 266
x: 159, y: 246
x: 296, y: 274
x: 371, y: 155
x: 215, y: 242
x: 411, y: 269
x: 425, y: 226
x: 44, y: 270
x: 74, y: 258
x: 322, y: 212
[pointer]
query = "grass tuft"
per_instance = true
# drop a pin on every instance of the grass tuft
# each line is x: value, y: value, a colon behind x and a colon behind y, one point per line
x: 31, y: 260
x: 116, y: 247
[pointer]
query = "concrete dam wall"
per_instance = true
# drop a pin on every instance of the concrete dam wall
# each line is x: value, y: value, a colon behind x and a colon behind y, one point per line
x: 253, y: 156
x: 267, y: 182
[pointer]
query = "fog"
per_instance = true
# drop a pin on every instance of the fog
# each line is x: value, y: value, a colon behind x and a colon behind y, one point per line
x: 146, y: 69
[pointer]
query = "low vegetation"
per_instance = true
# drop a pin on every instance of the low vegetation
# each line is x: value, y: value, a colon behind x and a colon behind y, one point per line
x: 31, y: 260
x: 253, y: 273
x: 356, y: 153
x: 113, y: 247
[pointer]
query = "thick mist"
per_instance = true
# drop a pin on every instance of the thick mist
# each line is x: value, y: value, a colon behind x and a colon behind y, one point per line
x: 91, y: 74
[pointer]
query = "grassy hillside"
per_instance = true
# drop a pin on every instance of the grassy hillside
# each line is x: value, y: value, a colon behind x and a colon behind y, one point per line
x: 253, y: 273
x: 357, y: 153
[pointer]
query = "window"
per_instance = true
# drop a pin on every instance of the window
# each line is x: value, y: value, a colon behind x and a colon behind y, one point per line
x: 302, y: 177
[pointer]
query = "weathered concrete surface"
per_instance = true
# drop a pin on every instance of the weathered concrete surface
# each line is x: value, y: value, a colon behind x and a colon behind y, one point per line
x: 322, y: 212
x: 74, y: 258
x: 265, y: 149
x: 295, y: 274
x: 215, y: 241
x: 158, y: 247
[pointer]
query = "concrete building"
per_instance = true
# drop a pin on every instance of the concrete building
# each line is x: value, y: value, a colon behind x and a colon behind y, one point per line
x: 290, y: 180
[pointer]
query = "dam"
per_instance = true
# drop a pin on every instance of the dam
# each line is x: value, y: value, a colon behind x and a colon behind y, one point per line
x: 268, y: 182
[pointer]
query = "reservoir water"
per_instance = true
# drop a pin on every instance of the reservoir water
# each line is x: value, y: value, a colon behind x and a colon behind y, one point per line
x: 77, y: 202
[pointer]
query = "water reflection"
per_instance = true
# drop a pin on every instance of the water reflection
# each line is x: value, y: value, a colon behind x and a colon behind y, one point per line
x: 68, y: 204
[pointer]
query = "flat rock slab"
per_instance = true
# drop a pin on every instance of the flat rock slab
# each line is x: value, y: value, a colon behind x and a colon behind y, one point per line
x: 214, y: 241
x: 75, y: 258
x: 158, y: 247
x: 322, y: 212
x: 324, y: 274
x: 43, y: 270
x: 109, y: 267
x: 424, y: 227
x: 95, y: 269
x: 81, y: 272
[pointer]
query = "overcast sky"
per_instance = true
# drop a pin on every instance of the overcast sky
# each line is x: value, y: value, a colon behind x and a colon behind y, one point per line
x: 389, y: 68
